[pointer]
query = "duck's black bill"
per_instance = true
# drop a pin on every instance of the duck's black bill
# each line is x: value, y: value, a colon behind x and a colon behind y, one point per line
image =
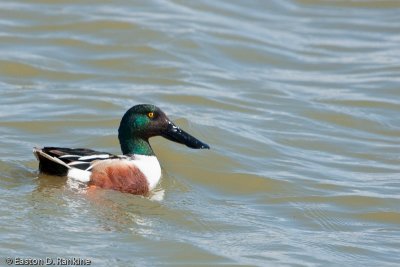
x: 176, y: 134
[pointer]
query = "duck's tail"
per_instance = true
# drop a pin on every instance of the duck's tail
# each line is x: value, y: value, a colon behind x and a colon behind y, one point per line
x: 49, y: 164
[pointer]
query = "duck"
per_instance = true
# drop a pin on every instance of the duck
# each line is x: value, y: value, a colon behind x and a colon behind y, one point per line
x: 137, y: 171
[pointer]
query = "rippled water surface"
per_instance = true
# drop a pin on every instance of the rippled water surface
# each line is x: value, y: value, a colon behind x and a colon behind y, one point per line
x: 298, y: 99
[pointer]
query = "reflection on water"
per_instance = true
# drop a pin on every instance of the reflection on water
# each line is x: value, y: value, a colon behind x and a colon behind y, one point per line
x: 298, y: 99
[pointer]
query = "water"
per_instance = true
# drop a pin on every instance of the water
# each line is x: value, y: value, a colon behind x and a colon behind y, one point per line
x: 298, y: 99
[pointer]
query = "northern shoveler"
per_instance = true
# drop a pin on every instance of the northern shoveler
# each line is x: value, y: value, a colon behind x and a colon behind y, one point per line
x: 137, y: 171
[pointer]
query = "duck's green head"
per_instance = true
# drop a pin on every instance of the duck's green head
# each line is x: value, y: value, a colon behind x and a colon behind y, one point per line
x: 144, y: 121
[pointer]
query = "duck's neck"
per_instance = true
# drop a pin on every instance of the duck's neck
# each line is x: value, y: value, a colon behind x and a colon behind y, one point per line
x: 135, y: 145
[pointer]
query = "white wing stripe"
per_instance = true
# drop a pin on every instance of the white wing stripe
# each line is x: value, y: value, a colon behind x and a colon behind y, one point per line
x: 69, y: 156
x: 89, y: 169
x: 101, y: 156
x: 77, y: 163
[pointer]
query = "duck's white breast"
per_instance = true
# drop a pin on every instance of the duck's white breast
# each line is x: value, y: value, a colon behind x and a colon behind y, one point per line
x: 150, y: 167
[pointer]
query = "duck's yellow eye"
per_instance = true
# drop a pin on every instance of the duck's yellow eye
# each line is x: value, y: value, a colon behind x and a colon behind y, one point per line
x: 150, y: 115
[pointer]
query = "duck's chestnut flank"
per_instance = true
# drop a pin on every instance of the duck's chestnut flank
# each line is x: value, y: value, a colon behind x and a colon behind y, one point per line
x: 119, y: 175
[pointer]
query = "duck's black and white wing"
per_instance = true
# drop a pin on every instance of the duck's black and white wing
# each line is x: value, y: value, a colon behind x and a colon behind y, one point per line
x: 75, y: 162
